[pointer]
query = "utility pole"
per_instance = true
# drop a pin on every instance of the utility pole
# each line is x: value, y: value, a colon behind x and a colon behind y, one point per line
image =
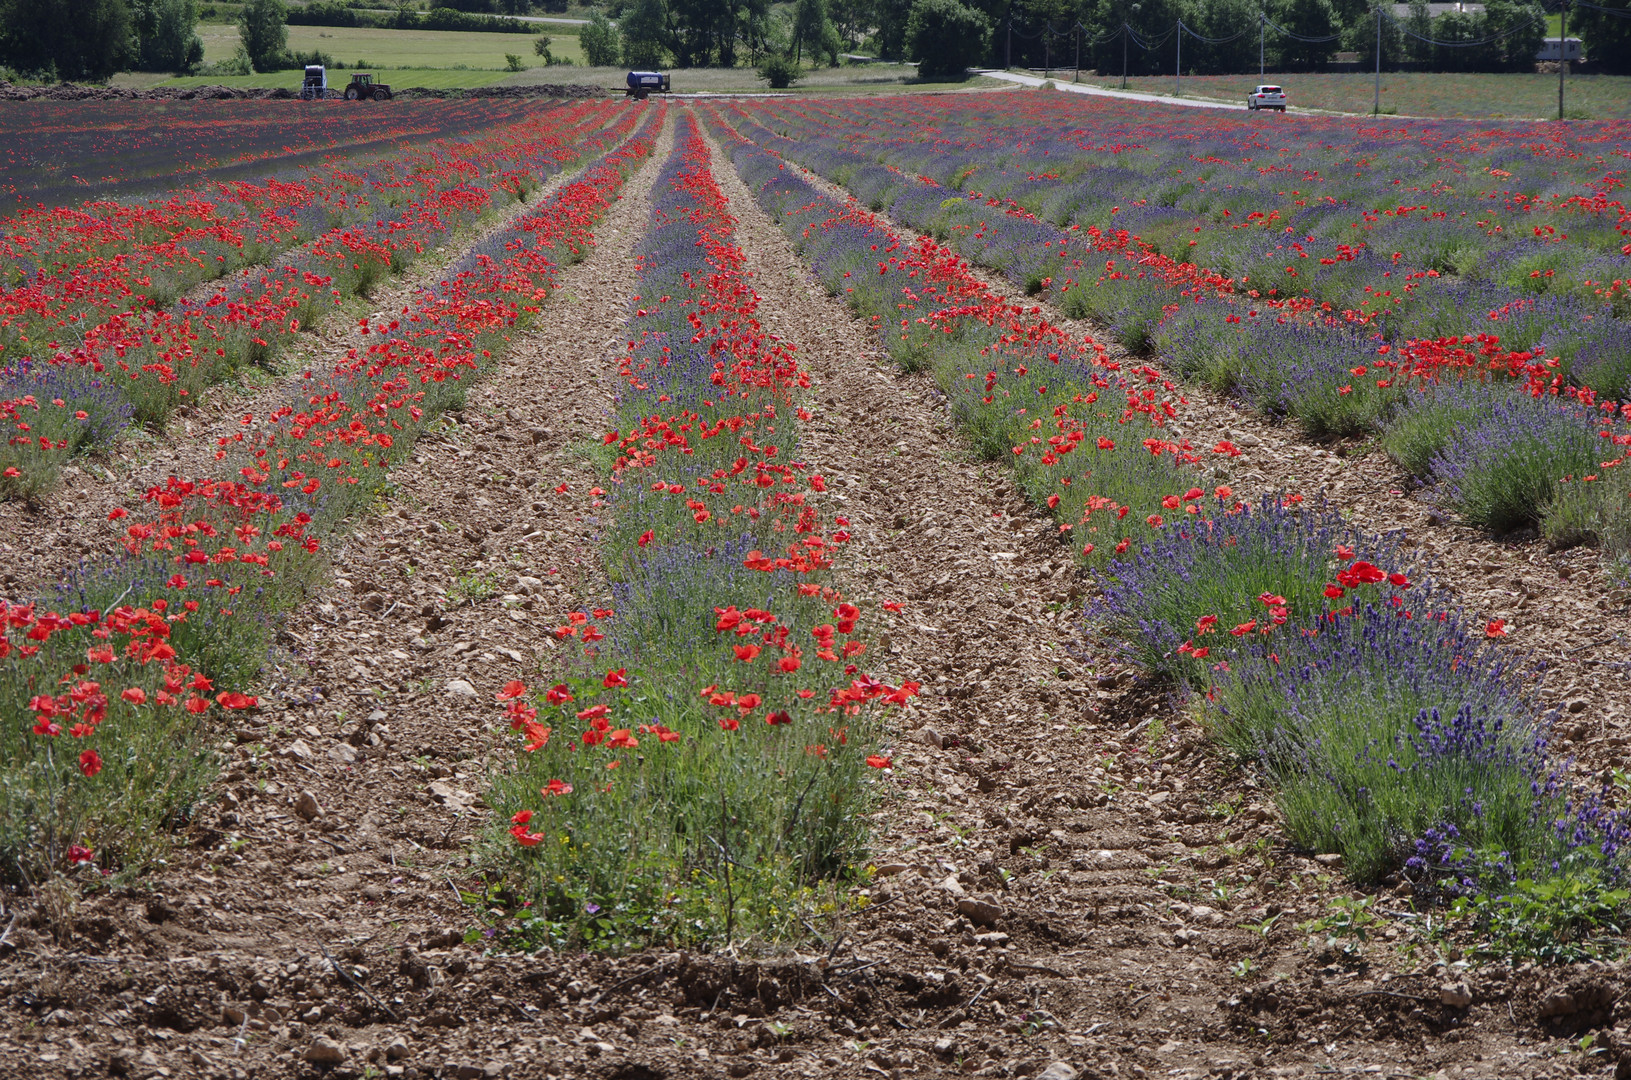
x: 1562, y: 52
x: 1127, y: 32
x: 1376, y: 105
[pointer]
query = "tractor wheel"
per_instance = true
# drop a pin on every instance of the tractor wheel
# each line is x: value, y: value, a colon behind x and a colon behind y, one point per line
x: 351, y: 93
x: 382, y: 94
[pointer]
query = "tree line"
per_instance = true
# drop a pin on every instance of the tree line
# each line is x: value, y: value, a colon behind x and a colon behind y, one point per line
x: 91, y: 39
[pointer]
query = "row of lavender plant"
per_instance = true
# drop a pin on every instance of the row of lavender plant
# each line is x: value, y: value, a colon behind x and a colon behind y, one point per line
x: 127, y: 664
x: 703, y: 763
x: 140, y: 365
x: 1502, y: 469
x: 1392, y: 730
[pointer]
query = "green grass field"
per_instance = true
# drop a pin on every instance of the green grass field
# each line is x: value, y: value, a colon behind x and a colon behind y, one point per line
x: 448, y: 60
x: 418, y: 49
x: 1440, y: 94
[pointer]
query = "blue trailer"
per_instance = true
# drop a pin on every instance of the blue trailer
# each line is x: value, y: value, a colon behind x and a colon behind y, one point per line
x: 643, y: 83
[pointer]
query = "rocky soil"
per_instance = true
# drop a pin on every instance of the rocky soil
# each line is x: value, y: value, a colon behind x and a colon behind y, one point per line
x: 1068, y: 881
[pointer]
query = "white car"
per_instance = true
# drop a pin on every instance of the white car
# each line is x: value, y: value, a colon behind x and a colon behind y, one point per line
x: 1267, y: 97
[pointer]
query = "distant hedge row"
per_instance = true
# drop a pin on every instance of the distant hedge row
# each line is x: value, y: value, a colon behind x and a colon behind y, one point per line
x: 334, y: 13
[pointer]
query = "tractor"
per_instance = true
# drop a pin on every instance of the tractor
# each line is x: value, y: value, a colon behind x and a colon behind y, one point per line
x: 364, y: 88
x: 642, y: 83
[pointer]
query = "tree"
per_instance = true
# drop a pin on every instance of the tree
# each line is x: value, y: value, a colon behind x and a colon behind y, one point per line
x: 890, y: 16
x: 646, y: 34
x: 74, y: 39
x: 264, y: 35
x: 946, y: 37
x: 1521, y: 28
x: 1306, y: 19
x: 1605, y: 35
x: 600, y: 41
x: 809, y: 26
x: 1420, y: 25
x: 1222, y: 20
x: 852, y: 19
x: 1360, y: 37
x: 165, y: 37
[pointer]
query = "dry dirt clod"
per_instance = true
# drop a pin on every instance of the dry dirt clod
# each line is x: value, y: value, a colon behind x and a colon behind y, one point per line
x: 1456, y: 995
x: 306, y: 806
x: 324, y: 1051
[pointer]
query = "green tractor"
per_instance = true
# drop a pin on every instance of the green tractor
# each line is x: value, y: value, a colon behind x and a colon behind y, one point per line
x: 364, y: 88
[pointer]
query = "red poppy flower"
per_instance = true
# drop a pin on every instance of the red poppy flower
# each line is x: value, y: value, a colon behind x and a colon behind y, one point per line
x: 878, y: 761
x: 135, y: 695
x: 1496, y: 628
x: 556, y: 787
x: 537, y: 736
x: 615, y: 679
x: 512, y: 689
x: 90, y: 762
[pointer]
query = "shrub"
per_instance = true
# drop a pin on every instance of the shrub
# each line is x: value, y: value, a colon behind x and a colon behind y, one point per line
x: 1221, y: 567
x: 1501, y: 470
x: 780, y: 71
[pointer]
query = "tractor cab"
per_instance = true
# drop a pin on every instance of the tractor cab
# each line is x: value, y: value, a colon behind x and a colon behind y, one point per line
x: 315, y: 85
x: 364, y: 88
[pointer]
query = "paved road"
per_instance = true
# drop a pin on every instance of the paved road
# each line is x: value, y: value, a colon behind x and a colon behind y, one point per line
x: 1099, y: 91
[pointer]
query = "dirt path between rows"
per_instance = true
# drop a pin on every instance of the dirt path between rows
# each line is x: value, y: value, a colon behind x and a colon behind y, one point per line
x: 39, y: 544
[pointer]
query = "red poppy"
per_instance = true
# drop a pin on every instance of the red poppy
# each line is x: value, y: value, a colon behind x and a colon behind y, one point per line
x: 615, y: 679
x: 90, y: 762
x: 512, y: 689
x: 135, y: 695
x: 778, y: 717
x: 1496, y: 628
x: 746, y: 653
x: 556, y: 787
x: 537, y: 736
x: 878, y: 761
